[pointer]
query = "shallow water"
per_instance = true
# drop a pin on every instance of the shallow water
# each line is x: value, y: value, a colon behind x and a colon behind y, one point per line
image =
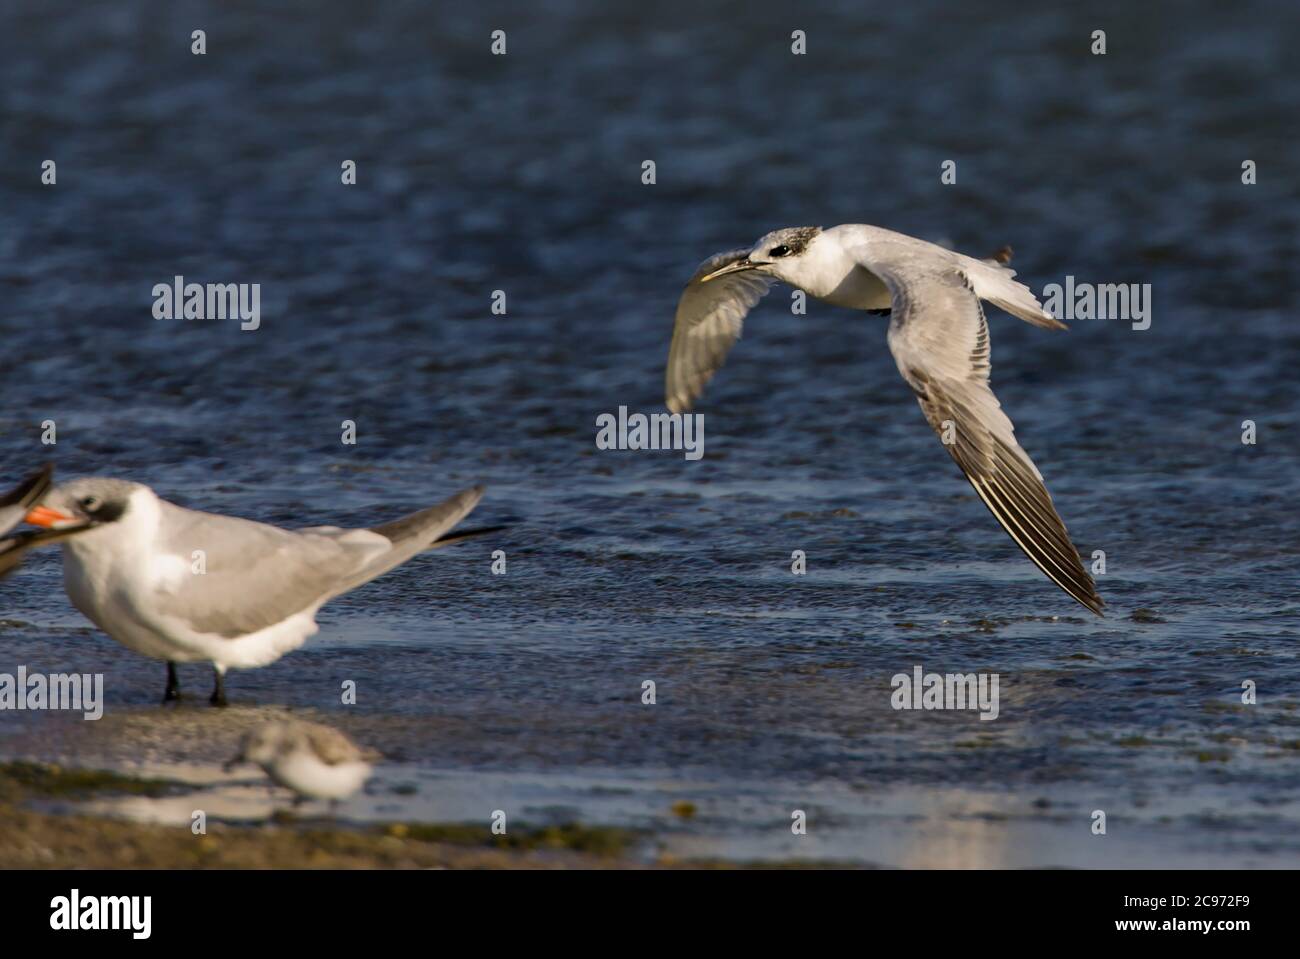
x: 522, y: 173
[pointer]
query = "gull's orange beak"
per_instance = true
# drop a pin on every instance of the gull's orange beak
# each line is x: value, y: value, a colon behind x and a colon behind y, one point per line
x: 49, y: 518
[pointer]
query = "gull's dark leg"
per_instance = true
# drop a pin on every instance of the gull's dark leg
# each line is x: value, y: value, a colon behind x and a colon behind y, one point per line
x: 173, y: 692
x: 219, y: 690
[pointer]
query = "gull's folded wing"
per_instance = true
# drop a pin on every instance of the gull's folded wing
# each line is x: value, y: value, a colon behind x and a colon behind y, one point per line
x: 257, y: 575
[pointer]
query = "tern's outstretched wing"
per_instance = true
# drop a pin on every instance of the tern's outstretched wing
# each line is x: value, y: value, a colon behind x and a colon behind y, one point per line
x: 709, y: 318
x: 940, y: 342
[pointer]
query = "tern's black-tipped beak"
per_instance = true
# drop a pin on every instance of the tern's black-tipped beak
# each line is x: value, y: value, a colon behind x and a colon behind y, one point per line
x: 729, y: 268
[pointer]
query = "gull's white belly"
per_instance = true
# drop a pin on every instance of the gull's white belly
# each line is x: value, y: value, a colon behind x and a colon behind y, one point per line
x: 121, y: 599
x: 116, y: 599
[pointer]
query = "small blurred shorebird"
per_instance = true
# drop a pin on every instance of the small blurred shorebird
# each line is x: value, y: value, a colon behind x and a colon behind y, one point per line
x: 185, y: 586
x: 313, y: 760
x: 939, y: 339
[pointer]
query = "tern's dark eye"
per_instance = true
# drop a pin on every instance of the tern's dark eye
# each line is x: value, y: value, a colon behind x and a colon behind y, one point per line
x: 781, y: 250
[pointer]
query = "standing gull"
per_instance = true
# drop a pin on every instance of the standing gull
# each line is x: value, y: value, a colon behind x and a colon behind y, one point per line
x: 184, y: 586
x: 939, y: 339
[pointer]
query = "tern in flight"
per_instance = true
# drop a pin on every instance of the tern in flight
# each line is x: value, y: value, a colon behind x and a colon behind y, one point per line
x: 939, y: 339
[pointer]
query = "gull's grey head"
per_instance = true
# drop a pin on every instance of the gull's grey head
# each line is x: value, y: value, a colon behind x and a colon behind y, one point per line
x: 93, y: 500
x: 777, y: 254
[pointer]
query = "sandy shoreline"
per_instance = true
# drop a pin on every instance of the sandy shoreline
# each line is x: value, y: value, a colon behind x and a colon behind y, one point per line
x: 35, y: 833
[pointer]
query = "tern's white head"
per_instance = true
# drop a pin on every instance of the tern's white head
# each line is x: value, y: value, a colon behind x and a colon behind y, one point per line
x: 802, y: 256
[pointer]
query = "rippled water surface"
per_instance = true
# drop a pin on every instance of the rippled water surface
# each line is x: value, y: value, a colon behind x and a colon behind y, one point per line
x: 522, y: 173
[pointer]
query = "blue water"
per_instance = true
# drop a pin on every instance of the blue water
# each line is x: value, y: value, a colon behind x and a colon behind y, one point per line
x: 522, y: 173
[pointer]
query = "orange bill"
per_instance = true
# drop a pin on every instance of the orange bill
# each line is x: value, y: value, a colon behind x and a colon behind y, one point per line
x: 47, y: 517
